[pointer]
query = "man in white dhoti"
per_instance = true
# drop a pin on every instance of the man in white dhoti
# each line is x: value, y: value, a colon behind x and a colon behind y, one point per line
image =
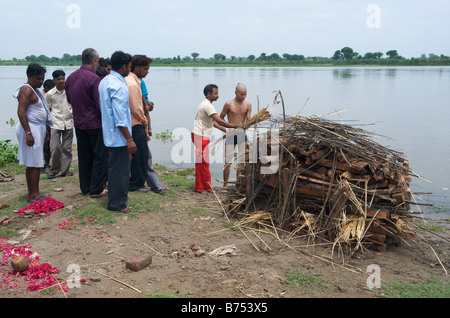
x: 31, y: 131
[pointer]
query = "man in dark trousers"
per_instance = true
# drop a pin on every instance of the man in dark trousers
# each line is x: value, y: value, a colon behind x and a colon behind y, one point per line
x: 82, y: 93
x: 116, y: 124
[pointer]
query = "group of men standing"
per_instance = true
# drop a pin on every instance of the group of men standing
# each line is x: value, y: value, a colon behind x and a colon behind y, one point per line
x: 112, y: 127
x: 112, y: 124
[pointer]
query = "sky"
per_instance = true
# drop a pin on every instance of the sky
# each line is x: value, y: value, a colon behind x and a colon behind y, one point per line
x: 170, y: 28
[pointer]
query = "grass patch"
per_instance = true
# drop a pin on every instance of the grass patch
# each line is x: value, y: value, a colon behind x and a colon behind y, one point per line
x: 146, y: 202
x: 433, y: 228
x: 197, y: 211
x: 166, y: 294
x: 14, y: 168
x: 306, y: 282
x: 6, y: 187
x: 431, y: 288
x: 175, y: 179
x: 96, y: 212
x: 6, y: 232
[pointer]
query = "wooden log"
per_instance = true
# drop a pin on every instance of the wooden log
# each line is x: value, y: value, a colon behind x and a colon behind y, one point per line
x: 402, y: 196
x: 383, y: 229
x: 319, y: 154
x: 375, y: 237
x: 357, y: 168
x: 314, y: 174
x: 379, y: 213
x: 308, y: 190
x: 314, y: 180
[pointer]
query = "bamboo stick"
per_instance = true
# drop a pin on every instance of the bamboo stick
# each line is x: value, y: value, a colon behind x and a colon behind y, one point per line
x: 123, y: 283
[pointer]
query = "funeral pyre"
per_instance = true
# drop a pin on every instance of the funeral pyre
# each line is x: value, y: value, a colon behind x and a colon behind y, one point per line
x: 325, y: 179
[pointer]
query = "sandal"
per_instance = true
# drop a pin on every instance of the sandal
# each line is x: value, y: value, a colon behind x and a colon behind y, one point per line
x: 51, y: 175
x: 164, y: 190
x: 70, y: 173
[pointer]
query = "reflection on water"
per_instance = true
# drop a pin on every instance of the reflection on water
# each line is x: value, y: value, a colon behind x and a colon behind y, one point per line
x: 407, y: 104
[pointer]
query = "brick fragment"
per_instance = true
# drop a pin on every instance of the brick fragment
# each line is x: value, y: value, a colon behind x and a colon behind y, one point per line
x: 137, y: 263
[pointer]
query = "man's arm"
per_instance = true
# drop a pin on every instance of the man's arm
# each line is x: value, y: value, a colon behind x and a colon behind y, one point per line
x: 95, y: 93
x: 249, y: 111
x: 118, y: 100
x: 131, y: 146
x: 25, y: 98
x: 222, y: 116
x: 217, y: 119
x: 48, y: 98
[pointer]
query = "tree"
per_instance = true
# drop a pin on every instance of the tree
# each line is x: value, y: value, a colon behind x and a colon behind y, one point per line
x: 43, y: 58
x: 274, y: 57
x: 262, y: 56
x: 31, y: 58
x: 378, y: 55
x: 287, y: 57
x: 219, y: 57
x: 194, y: 55
x: 348, y: 53
x: 251, y: 57
x: 392, y: 54
x: 338, y: 55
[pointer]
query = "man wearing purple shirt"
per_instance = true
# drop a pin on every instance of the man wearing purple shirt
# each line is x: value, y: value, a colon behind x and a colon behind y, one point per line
x: 82, y: 93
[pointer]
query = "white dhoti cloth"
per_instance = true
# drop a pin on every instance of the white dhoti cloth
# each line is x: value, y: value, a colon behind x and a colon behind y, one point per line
x: 33, y: 156
x: 38, y: 116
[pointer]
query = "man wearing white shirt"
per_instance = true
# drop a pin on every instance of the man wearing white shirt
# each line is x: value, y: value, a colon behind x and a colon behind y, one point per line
x: 201, y: 134
x: 62, y: 131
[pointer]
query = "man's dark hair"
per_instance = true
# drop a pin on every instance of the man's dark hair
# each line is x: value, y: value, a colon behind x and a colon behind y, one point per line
x: 118, y: 59
x: 104, y: 62
x: 209, y: 88
x: 101, y: 71
x: 140, y: 60
x: 58, y: 73
x: 49, y: 83
x: 88, y: 56
x: 35, y: 69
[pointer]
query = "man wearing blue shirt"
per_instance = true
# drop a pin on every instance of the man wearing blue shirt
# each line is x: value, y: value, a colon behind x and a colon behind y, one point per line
x: 116, y: 126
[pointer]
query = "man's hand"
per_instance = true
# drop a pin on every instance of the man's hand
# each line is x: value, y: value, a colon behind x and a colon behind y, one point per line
x: 29, y: 139
x: 131, y: 146
x: 150, y: 106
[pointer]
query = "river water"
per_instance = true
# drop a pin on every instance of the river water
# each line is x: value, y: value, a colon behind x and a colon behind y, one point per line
x: 407, y: 105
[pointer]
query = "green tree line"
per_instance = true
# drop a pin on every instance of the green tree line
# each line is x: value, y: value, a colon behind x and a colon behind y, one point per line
x: 344, y: 56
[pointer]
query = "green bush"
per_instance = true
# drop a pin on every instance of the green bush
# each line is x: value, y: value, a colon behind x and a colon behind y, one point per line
x: 8, y: 152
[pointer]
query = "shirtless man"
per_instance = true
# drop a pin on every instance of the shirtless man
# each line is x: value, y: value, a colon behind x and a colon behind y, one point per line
x: 238, y: 110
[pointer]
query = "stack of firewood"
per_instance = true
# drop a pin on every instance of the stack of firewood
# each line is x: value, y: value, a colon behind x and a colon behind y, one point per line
x: 331, y: 179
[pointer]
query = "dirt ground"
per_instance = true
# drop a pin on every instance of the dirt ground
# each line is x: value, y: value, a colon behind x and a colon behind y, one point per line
x: 257, y: 267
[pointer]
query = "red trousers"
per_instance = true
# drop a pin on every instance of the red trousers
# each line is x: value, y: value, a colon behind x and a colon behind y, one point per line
x: 202, y: 173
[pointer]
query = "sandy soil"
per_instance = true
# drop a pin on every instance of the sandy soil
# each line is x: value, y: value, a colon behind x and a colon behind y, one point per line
x: 258, y: 267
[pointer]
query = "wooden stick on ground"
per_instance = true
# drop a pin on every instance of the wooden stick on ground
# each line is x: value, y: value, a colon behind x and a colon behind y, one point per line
x: 145, y: 245
x: 129, y: 286
x: 61, y: 287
